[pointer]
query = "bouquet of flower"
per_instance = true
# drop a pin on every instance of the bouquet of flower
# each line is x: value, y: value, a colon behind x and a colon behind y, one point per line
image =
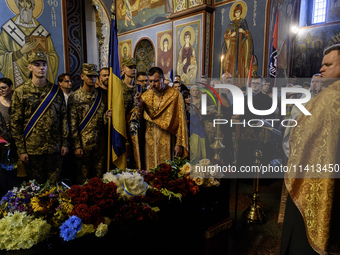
x: 18, y: 199
x: 206, y: 176
x: 128, y: 184
x: 21, y: 231
x: 172, y: 179
x: 53, y: 204
x: 93, y: 200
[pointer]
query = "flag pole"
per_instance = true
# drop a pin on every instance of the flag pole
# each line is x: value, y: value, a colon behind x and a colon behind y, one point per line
x: 109, y: 103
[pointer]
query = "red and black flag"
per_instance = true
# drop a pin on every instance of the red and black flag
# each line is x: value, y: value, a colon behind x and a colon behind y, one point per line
x: 273, y: 54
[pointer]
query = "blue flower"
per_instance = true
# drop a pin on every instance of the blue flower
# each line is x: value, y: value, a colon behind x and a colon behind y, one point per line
x: 70, y: 227
x: 6, y: 197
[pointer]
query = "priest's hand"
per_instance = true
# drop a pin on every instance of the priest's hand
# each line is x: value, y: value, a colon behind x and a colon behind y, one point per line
x: 139, y: 100
x: 178, y: 151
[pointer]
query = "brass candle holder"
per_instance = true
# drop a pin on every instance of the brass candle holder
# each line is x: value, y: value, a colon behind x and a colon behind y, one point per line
x: 254, y: 213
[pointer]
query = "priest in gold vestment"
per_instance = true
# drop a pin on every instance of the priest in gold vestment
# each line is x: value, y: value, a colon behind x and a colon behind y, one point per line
x: 162, y: 108
x: 312, y: 223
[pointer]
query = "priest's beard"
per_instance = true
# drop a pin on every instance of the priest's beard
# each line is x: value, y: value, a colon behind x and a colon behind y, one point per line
x: 26, y: 15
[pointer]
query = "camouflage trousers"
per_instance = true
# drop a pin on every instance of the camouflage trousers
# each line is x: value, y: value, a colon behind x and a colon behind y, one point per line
x: 44, y: 167
x: 91, y: 164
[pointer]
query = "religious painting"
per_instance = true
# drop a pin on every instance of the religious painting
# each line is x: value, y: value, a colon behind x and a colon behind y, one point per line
x: 188, y: 51
x: 145, y: 56
x: 28, y: 27
x: 180, y: 5
x: 164, y: 51
x: 239, y: 34
x: 238, y: 42
x: 309, y: 46
x: 333, y: 11
x: 134, y: 14
x: 125, y: 49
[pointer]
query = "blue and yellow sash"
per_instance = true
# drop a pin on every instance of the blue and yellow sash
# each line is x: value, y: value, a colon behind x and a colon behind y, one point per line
x: 89, y: 115
x: 41, y: 110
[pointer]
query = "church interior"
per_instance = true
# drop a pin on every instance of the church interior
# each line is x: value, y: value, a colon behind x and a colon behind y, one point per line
x: 280, y: 41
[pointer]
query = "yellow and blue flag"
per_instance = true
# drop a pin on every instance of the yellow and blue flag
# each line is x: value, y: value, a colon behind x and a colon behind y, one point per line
x: 116, y: 102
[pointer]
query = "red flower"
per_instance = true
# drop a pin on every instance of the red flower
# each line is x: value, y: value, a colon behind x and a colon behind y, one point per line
x: 86, y: 218
x: 148, y: 177
x: 98, y: 195
x: 180, y: 183
x: 105, y: 204
x: 74, y: 191
x: 171, y: 185
x: 99, y: 219
x: 95, y: 183
x: 80, y: 210
x: 83, y: 197
x: 110, y: 190
x: 165, y: 167
x: 157, y: 183
x: 94, y: 210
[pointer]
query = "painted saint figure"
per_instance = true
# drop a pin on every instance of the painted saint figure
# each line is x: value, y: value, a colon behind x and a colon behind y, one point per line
x: 186, y: 64
x: 238, y: 44
x: 166, y: 56
x: 19, y: 37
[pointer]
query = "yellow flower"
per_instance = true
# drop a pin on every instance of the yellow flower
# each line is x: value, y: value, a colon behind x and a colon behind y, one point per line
x: 101, y: 230
x: 47, y: 193
x: 35, y: 201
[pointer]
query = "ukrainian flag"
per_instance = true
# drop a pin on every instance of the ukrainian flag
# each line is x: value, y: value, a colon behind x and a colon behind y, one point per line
x: 116, y: 102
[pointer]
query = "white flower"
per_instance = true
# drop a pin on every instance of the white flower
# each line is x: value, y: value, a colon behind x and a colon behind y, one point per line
x: 108, y: 177
x: 16, y: 218
x: 185, y: 170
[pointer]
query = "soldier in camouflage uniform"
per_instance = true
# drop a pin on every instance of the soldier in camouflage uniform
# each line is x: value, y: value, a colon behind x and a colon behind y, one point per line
x: 43, y: 149
x: 129, y: 91
x: 128, y: 83
x: 89, y: 145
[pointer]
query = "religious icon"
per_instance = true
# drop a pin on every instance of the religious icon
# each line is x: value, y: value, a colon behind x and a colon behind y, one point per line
x: 164, y: 61
x: 20, y: 36
x: 125, y: 49
x: 316, y: 56
x: 238, y: 42
x: 186, y: 61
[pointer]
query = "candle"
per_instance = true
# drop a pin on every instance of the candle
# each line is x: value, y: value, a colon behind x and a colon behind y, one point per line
x: 219, y: 90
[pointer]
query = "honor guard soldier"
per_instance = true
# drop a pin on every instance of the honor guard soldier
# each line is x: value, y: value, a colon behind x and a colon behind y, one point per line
x: 38, y: 123
x: 87, y: 120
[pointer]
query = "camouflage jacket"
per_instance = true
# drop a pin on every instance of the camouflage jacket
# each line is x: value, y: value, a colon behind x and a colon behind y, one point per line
x: 128, y: 96
x: 51, y: 130
x: 93, y: 135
